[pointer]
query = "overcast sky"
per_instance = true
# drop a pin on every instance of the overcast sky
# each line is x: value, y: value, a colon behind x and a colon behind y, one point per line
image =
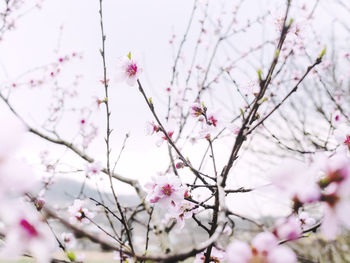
x: 65, y: 26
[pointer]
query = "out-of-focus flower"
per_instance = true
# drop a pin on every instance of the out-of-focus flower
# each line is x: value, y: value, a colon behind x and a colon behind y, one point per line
x: 68, y: 240
x: 264, y: 249
x: 288, y: 228
x: 165, y: 190
x: 216, y: 256
x: 80, y: 257
x: 93, y: 169
x: 10, y: 136
x: 26, y: 233
x: 298, y: 182
x: 228, y: 230
x: 180, y: 165
x: 306, y: 220
x: 336, y: 195
x: 78, y: 213
x: 13, y: 172
x: 12, y: 175
x: 128, y: 69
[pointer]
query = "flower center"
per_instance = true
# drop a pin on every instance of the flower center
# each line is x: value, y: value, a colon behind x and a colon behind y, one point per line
x: 80, y: 218
x: 131, y: 70
x: 196, y: 111
x: 212, y: 121
x: 29, y: 228
x: 331, y: 199
x: 258, y: 257
x: 167, y: 189
x: 347, y: 141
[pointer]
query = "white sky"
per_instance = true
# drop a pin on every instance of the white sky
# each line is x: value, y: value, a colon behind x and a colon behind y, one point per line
x: 133, y: 25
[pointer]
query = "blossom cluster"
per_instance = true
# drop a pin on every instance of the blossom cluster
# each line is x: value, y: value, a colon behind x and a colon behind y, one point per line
x: 152, y: 128
x: 168, y: 193
x: 209, y: 120
x: 326, y: 181
x: 25, y: 231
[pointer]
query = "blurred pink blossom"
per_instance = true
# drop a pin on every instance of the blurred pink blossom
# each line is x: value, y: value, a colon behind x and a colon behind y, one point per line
x: 264, y: 249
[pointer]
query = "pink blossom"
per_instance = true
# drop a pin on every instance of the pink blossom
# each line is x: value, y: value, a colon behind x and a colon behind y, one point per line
x: 212, y: 120
x: 26, y: 233
x: 306, y: 220
x: 10, y: 136
x: 216, y: 256
x: 197, y: 110
x: 288, y: 228
x: 239, y: 252
x: 13, y: 172
x: 12, y: 175
x: 93, y: 169
x: 164, y: 138
x: 336, y: 195
x: 182, y: 211
x: 342, y: 135
x: 68, y: 240
x: 228, y: 230
x: 165, y: 190
x: 78, y: 213
x: 297, y: 181
x: 152, y: 128
x: 129, y: 70
x: 179, y: 165
x: 264, y: 249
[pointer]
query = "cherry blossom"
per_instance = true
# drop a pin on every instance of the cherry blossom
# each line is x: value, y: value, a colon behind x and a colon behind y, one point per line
x: 13, y: 172
x: 68, y: 240
x: 26, y: 233
x: 9, y: 136
x: 342, y: 135
x: 197, y: 110
x: 93, y: 169
x: 164, y: 138
x: 128, y: 69
x: 264, y: 248
x: 298, y: 182
x: 288, y: 228
x: 336, y: 195
x: 152, y: 128
x: 216, y: 256
x: 78, y: 213
x: 166, y: 190
x: 182, y: 211
x: 306, y: 220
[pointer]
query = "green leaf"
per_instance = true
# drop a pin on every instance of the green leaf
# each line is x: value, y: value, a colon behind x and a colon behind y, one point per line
x: 71, y: 256
x: 323, y: 52
x: 242, y: 111
x: 259, y: 74
x: 129, y: 55
x: 262, y: 100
